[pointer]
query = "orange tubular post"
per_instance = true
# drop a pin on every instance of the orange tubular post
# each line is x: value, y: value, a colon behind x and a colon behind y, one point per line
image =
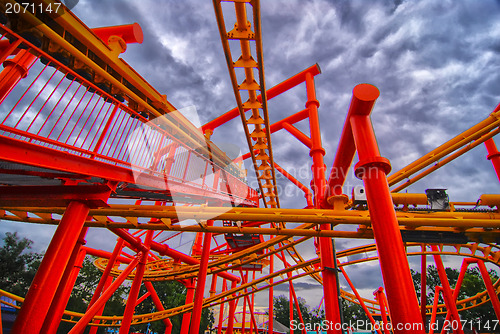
x: 44, y: 286
x: 82, y: 323
x: 493, y: 155
x: 232, y: 310
x: 423, y: 286
x: 372, y: 169
x: 379, y: 295
x: 332, y: 309
x: 65, y: 288
x: 136, y: 286
x: 186, y: 317
x: 200, y: 282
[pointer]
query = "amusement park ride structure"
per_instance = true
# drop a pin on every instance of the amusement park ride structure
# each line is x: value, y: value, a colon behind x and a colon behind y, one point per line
x: 78, y: 127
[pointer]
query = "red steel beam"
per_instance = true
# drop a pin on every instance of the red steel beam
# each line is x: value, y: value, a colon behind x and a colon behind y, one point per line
x: 44, y: 286
x: 270, y: 93
x: 373, y: 170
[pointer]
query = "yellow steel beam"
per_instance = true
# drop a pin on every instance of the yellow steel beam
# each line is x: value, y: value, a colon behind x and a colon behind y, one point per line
x: 259, y: 140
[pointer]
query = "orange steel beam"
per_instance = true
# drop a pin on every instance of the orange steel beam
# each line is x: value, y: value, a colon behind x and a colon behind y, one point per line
x: 280, y: 88
x: 260, y: 138
x: 45, y: 283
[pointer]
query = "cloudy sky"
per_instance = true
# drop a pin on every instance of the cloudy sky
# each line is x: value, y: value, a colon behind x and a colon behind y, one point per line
x: 436, y: 64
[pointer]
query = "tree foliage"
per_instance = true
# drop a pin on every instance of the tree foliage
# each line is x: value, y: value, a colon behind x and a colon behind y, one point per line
x: 17, y: 265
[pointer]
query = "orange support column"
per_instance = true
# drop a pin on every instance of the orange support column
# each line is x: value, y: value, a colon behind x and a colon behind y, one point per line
x: 65, y: 288
x: 332, y: 310
x: 372, y: 169
x: 14, y: 70
x: 423, y: 286
x: 449, y: 301
x: 186, y: 318
x: 200, y: 283
x: 44, y: 286
x: 136, y: 286
x: 493, y: 155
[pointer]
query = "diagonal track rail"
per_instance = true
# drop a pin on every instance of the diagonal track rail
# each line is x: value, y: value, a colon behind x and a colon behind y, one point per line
x: 256, y: 126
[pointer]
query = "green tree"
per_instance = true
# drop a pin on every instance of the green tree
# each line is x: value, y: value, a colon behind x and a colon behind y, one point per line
x: 17, y: 265
x: 282, y: 310
x: 352, y: 311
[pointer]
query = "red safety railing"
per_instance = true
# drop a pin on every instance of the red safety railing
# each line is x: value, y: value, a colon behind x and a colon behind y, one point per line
x: 47, y: 103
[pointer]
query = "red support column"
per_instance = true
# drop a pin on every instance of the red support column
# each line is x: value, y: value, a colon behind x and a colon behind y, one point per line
x: 434, y: 309
x: 14, y: 70
x: 423, y: 286
x: 489, y: 287
x: 200, y: 283
x: 332, y: 309
x: 232, y: 310
x: 44, y: 286
x: 447, y: 292
x: 186, y: 318
x: 221, y: 310
x: 136, y: 286
x: 65, y: 288
x: 379, y: 295
x: 493, y: 155
x: 271, y: 296
x: 83, y: 322
x: 372, y: 169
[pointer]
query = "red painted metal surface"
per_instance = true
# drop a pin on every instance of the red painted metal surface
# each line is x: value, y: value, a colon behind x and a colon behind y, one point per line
x: 372, y: 169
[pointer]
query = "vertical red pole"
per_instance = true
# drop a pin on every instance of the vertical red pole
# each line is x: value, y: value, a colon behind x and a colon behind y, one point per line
x: 270, y: 323
x: 186, y: 318
x: 489, y: 287
x: 290, y: 303
x: 243, y: 325
x: 221, y: 311
x: 317, y: 152
x: 447, y: 293
x: 493, y: 155
x: 14, y: 70
x: 136, y: 286
x: 44, y: 286
x: 200, y: 283
x: 423, y: 286
x: 372, y: 169
x: 379, y: 295
x: 65, y: 288
x: 232, y: 311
